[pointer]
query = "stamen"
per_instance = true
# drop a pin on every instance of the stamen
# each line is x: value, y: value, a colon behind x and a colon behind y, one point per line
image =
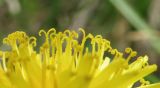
x: 144, y: 82
x: 83, y: 32
x: 32, y: 41
x: 131, y: 53
x: 44, y: 32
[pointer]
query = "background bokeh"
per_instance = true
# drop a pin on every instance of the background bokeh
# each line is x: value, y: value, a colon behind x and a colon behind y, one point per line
x: 126, y: 23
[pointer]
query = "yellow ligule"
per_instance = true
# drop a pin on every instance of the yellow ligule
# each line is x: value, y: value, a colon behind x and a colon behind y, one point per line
x: 64, y: 62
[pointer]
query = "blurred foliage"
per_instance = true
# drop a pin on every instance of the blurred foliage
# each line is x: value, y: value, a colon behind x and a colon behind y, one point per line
x: 124, y: 22
x: 141, y: 7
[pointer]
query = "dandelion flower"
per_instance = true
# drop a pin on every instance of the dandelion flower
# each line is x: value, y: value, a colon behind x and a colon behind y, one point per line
x: 64, y: 62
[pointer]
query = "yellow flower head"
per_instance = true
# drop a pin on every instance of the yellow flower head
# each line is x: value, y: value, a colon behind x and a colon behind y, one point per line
x: 63, y: 62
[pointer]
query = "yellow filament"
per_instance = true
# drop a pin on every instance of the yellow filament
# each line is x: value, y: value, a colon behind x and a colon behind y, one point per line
x: 4, y: 62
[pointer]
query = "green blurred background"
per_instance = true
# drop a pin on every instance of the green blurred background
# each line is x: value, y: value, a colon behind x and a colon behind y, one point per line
x: 126, y: 23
